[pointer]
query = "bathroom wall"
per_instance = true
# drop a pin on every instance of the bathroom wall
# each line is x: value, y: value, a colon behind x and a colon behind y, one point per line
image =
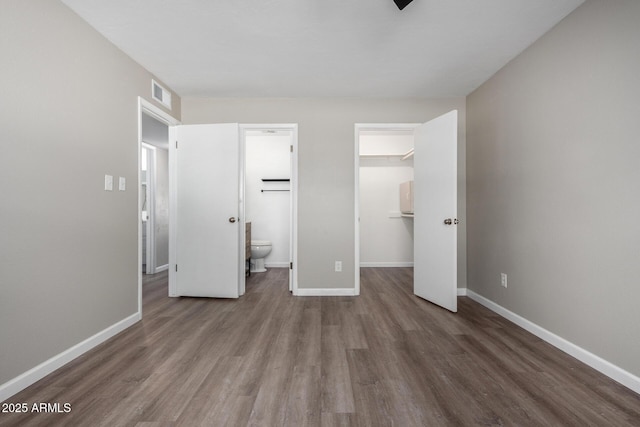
x: 386, y: 239
x: 268, y: 156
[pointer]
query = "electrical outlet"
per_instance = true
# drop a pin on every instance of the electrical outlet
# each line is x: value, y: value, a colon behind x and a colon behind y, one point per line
x: 503, y: 280
x: 338, y: 266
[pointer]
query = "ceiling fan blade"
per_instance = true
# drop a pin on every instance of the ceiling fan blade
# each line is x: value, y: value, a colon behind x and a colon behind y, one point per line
x: 402, y: 3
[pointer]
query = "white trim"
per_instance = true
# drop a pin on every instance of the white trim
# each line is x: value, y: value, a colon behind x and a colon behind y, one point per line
x: 387, y: 264
x: 24, y: 380
x: 151, y: 207
x: 462, y: 292
x: 173, y: 199
x: 323, y: 292
x: 293, y: 247
x: 242, y: 227
x: 607, y: 368
x: 148, y: 108
x: 277, y: 264
x: 162, y: 268
x: 356, y: 208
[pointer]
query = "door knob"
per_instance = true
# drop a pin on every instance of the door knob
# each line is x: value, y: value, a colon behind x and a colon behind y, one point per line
x: 232, y: 219
x: 447, y: 221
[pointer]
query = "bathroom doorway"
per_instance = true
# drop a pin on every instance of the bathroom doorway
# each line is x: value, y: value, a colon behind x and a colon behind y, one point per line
x: 269, y: 197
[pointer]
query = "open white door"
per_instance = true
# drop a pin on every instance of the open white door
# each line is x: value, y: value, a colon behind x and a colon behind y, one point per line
x: 205, y: 238
x: 435, y: 206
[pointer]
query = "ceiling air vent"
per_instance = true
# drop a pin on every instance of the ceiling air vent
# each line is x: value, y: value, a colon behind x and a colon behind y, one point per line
x: 160, y: 94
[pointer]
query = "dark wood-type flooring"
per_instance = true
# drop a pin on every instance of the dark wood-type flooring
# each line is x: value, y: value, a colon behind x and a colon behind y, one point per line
x: 269, y: 359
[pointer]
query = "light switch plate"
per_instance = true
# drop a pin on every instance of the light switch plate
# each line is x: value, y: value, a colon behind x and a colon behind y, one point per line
x: 122, y: 183
x: 108, y: 183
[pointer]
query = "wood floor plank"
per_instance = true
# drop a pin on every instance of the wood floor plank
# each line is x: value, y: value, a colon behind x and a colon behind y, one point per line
x: 337, y: 394
x: 384, y: 358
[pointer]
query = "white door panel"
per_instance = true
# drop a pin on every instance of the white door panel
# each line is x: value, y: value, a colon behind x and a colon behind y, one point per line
x: 435, y: 200
x: 206, y: 185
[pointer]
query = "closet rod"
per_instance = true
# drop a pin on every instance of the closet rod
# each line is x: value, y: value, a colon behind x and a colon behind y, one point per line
x: 409, y: 154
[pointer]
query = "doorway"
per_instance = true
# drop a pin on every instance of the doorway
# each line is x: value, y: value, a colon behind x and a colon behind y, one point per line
x: 154, y: 172
x: 433, y: 202
x: 153, y: 193
x: 383, y: 162
x: 267, y: 197
x: 270, y: 194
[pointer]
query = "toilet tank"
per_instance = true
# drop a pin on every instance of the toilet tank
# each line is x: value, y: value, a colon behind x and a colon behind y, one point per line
x: 406, y: 197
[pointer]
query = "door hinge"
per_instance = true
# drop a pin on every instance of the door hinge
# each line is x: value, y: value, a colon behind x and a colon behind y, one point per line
x: 176, y: 268
x: 176, y: 145
x: 290, y: 266
x: 291, y: 148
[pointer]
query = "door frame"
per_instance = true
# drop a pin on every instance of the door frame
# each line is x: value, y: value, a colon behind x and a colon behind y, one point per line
x: 362, y: 127
x: 151, y: 208
x: 293, y: 200
x: 146, y: 107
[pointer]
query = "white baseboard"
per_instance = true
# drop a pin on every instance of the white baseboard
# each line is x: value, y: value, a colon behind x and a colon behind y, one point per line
x: 24, y: 380
x: 318, y: 292
x: 162, y: 268
x: 596, y: 362
x: 386, y: 264
x: 276, y: 264
x: 462, y: 292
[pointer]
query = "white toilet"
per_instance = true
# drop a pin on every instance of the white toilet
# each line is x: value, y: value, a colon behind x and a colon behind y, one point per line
x: 259, y: 250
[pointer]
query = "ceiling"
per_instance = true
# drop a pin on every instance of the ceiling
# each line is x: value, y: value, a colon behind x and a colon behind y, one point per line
x: 322, y: 48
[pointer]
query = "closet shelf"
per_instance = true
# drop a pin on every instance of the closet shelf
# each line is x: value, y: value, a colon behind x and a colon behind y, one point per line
x: 403, y: 156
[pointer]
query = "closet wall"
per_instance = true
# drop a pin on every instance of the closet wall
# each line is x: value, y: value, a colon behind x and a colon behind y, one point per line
x: 386, y: 238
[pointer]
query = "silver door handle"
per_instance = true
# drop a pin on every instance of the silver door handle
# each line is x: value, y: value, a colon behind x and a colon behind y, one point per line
x: 232, y: 219
x: 447, y: 221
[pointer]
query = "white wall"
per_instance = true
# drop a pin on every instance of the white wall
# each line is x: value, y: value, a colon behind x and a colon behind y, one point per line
x: 386, y: 239
x: 268, y: 156
x: 553, y: 182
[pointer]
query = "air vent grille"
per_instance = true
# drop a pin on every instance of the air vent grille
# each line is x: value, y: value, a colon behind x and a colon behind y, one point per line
x: 160, y: 94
